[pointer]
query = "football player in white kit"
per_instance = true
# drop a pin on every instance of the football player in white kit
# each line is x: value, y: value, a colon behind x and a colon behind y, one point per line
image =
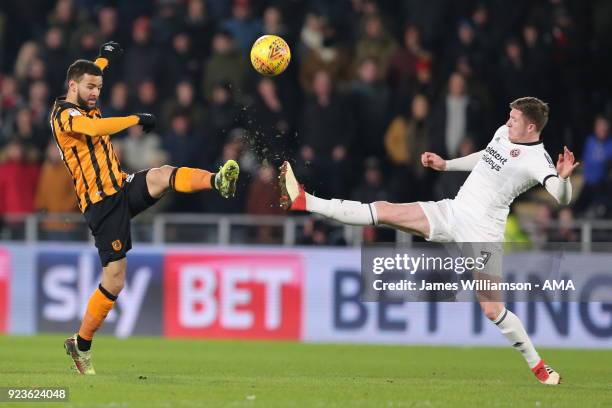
x: 514, y: 161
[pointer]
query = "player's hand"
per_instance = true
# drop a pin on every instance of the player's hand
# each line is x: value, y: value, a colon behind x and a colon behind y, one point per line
x: 566, y: 163
x: 111, y: 50
x: 147, y: 121
x: 433, y: 161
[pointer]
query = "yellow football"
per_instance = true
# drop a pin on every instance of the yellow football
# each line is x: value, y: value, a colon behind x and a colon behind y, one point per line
x: 270, y: 55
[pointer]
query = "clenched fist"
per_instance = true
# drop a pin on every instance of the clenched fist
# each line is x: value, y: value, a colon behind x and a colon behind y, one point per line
x: 433, y: 161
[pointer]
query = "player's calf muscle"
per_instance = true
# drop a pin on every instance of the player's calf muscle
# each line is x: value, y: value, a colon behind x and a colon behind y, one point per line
x: 113, y: 276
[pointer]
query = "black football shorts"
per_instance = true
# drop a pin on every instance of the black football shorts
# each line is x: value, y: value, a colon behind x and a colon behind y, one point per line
x: 109, y: 219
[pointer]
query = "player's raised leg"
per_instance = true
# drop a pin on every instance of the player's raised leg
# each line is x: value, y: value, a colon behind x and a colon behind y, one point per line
x: 408, y: 217
x: 78, y: 346
x: 191, y: 180
x: 511, y: 327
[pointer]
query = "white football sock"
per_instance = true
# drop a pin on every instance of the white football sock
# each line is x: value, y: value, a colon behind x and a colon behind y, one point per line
x: 512, y: 328
x: 344, y: 211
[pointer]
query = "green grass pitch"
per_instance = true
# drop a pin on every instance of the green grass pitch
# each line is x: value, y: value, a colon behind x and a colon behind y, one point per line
x: 155, y: 372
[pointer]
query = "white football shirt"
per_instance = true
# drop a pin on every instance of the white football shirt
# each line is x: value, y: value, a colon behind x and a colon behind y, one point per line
x: 504, y: 171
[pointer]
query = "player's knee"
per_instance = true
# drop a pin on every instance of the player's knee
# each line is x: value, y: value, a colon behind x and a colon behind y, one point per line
x: 160, y: 176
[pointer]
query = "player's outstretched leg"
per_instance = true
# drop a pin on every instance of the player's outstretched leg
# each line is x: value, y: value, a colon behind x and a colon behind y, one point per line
x: 293, y: 197
x: 191, y: 180
x: 408, y: 217
x: 511, y: 327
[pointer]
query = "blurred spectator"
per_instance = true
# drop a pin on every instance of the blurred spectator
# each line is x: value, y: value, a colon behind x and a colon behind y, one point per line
x: 141, y: 57
x: 36, y: 71
x: 371, y: 99
x: 243, y: 26
x: 319, y: 233
x: 184, y: 100
x: 448, y: 183
x: 455, y: 116
x: 55, y: 195
x: 375, y: 43
x: 140, y: 151
x: 58, y: 59
x: 200, y: 28
x: 27, y: 53
x: 466, y: 45
x: 371, y: 188
x: 18, y: 179
x: 184, y: 148
x: 10, y: 98
x: 219, y: 118
x: 65, y: 16
x: 270, y: 123
x: 108, y: 24
x: 430, y: 15
x: 483, y: 30
x: 86, y: 42
x: 226, y: 64
x: 514, y: 233
x: 514, y: 74
x: 118, y: 104
x: 537, y: 61
x: 423, y: 84
x: 326, y: 129
x: 262, y: 199
x: 596, y: 162
x: 403, y: 63
x: 179, y: 63
x: 321, y: 52
x: 38, y: 103
x: 479, y: 89
x: 147, y: 99
x: 273, y: 22
x: 565, y: 231
x: 540, y: 234
x: 34, y: 139
x: 167, y: 21
x: 213, y: 202
x: 407, y: 137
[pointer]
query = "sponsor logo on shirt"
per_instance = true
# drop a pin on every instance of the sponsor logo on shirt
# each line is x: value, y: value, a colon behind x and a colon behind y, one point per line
x: 493, y: 158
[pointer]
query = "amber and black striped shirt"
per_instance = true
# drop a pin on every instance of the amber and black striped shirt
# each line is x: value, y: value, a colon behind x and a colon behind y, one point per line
x: 83, y: 138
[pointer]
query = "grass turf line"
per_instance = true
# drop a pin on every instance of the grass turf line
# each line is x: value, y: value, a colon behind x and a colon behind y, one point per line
x: 155, y: 372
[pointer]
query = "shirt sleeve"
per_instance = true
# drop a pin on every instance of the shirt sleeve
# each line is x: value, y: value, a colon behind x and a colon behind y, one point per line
x: 465, y: 163
x: 542, y: 167
x: 560, y: 189
x: 74, y: 121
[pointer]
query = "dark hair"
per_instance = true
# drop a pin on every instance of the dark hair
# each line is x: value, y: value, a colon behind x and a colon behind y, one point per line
x: 534, y: 109
x: 81, y: 67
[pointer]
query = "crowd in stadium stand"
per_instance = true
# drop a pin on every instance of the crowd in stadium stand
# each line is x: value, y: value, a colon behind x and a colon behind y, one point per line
x: 371, y: 86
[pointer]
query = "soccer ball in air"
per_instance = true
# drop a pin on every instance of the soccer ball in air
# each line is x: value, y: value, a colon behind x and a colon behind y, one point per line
x: 270, y: 55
